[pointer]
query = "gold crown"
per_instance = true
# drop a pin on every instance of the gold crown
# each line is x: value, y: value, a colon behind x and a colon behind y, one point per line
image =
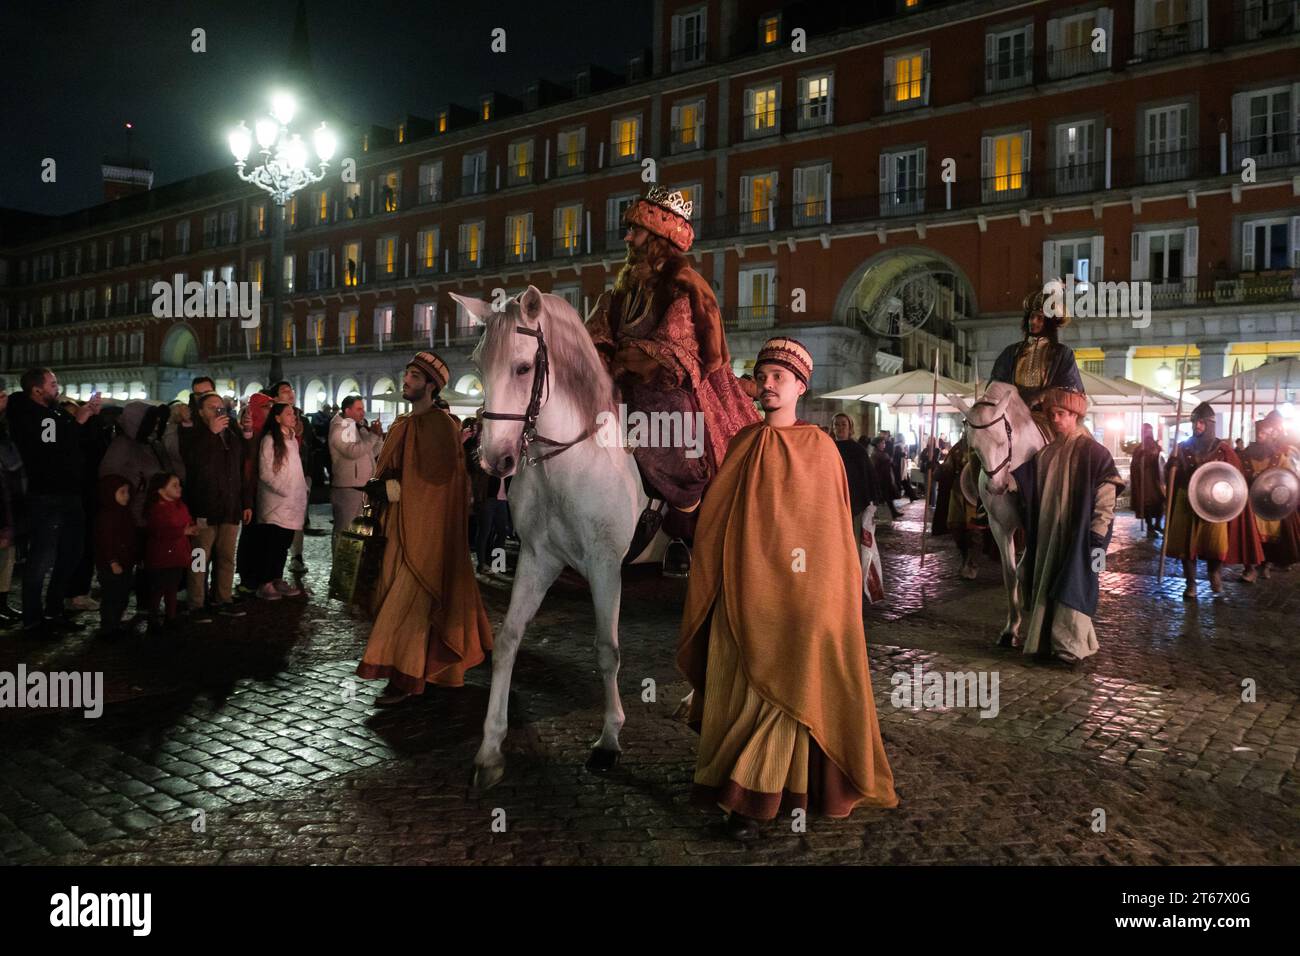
x: 673, y: 201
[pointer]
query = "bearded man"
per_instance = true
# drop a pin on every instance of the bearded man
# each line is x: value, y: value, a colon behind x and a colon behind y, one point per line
x: 1067, y: 496
x: 430, y: 625
x: 1189, y: 536
x: 776, y: 659
x: 1039, y: 361
x: 660, y: 332
x: 1281, y: 539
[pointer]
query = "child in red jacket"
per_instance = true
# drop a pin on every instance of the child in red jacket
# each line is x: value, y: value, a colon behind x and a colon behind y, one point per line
x: 167, y: 545
x: 115, y: 552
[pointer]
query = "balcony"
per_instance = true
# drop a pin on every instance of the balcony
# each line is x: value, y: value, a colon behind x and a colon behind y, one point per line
x: 429, y: 192
x: 1175, y: 39
x: 520, y: 173
x: 686, y: 139
x: 521, y: 251
x: 567, y: 245
x: 474, y: 184
x: 745, y: 317
x: 571, y: 163
x: 623, y: 152
x: 388, y: 198
x: 1268, y: 150
x: 904, y: 201
x: 1008, y: 72
x: 810, y: 211
x: 907, y: 95
x: 688, y: 57
x: 1077, y: 177
x: 1167, y: 165
x: 760, y: 124
x: 1264, y: 19
x: 1277, y: 285
x: 815, y: 113
x: 1070, y: 61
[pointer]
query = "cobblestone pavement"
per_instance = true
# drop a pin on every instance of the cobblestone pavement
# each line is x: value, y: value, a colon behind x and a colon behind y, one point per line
x: 251, y: 722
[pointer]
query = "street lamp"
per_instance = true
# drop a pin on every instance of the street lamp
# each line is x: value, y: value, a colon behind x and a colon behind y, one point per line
x: 1164, y: 375
x: 282, y: 173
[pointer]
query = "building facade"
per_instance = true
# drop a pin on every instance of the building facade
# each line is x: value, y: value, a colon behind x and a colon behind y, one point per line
x: 880, y: 183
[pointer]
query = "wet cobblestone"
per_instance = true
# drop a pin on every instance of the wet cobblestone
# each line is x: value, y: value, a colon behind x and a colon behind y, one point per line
x: 252, y: 722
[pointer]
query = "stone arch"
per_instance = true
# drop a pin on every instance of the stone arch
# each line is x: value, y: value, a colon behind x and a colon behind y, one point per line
x: 873, y: 278
x: 180, y: 348
x: 314, y: 396
x: 349, y: 386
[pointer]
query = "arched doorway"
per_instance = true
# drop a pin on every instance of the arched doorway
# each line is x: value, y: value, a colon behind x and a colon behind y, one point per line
x: 907, y: 302
x: 386, y: 409
x: 314, y: 397
x: 138, y: 390
x: 251, y: 389
x: 180, y: 348
x: 347, y: 387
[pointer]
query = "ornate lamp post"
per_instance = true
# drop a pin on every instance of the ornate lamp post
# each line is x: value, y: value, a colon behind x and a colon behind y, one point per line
x: 283, y: 172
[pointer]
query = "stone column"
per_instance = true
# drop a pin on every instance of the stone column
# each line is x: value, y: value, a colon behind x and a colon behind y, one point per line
x: 1116, y: 361
x: 1214, y: 358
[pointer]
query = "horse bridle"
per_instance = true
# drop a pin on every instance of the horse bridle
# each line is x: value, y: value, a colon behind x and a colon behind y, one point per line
x: 541, y: 381
x: 1005, y: 424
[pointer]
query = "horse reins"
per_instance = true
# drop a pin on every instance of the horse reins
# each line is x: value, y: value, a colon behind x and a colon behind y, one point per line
x: 1005, y: 424
x: 541, y: 381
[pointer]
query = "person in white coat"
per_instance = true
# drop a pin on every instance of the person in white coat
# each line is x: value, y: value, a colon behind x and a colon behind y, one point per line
x: 354, y: 447
x: 281, y: 500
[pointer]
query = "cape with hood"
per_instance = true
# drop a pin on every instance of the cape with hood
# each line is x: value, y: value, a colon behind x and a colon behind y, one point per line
x: 137, y: 453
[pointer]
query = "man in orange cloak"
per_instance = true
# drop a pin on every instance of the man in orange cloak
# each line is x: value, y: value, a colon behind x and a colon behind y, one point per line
x: 430, y: 626
x: 782, y: 695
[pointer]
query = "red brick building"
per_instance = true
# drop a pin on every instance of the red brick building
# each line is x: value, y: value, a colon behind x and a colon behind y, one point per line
x: 1105, y: 140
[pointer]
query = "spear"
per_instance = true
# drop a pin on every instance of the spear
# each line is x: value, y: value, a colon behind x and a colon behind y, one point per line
x: 929, y: 472
x: 1232, y: 406
x: 1173, y: 467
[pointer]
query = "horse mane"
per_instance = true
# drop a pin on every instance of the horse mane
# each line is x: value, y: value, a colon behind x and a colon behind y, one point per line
x: 1017, y: 411
x: 575, y: 366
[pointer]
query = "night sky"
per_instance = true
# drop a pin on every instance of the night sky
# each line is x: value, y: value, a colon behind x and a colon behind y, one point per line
x: 73, y: 73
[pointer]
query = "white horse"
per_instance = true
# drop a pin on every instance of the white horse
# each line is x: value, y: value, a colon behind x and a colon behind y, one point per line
x: 1005, y: 435
x: 575, y: 499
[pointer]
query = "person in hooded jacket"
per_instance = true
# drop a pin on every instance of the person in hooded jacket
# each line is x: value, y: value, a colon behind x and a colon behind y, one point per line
x: 116, y: 552
x: 137, y: 454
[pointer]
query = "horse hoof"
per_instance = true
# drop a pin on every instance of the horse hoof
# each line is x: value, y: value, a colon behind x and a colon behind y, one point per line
x: 487, y: 777
x: 1007, y: 639
x: 602, y: 760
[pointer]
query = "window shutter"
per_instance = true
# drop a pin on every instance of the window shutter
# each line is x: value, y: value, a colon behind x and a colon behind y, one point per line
x: 1190, y: 254
x: 1053, y: 35
x: 1049, y: 261
x: 1295, y: 242
x: 1240, y: 125
x: 745, y: 195
x: 798, y: 184
x: 986, y: 158
x: 830, y: 100
x: 890, y: 78
x: 1024, y: 160
x: 749, y: 107
x: 920, y: 171
x: 1106, y: 20
x: 1029, y: 48
x: 886, y: 163
x: 1138, y: 258
x: 1142, y: 17
x: 676, y: 118
x: 1204, y: 12
x: 1295, y: 125
x: 1098, y: 248
x: 1248, y: 246
x: 803, y: 89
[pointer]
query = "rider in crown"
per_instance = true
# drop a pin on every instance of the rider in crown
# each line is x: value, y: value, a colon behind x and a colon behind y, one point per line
x: 1039, y: 362
x: 661, y: 334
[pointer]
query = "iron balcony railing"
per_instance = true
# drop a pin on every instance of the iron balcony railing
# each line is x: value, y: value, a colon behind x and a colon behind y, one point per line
x: 688, y: 56
x: 1264, y: 19
x: 686, y: 138
x: 1175, y: 39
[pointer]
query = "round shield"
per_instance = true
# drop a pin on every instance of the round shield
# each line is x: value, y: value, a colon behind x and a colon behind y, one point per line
x: 1217, y: 491
x: 1275, y: 494
x: 970, y: 483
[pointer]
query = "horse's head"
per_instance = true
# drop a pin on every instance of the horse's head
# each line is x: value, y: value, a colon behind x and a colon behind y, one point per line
x: 505, y: 359
x: 989, y: 429
x: 535, y: 344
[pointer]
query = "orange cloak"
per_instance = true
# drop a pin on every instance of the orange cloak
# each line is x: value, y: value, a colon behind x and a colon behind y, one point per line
x: 781, y: 496
x: 430, y: 625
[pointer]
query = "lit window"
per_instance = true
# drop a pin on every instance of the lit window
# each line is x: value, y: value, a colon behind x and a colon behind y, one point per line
x: 771, y: 30
x: 487, y: 109
x: 401, y: 132
x: 1007, y: 170
x: 626, y: 138
x: 909, y: 74
x: 442, y: 122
